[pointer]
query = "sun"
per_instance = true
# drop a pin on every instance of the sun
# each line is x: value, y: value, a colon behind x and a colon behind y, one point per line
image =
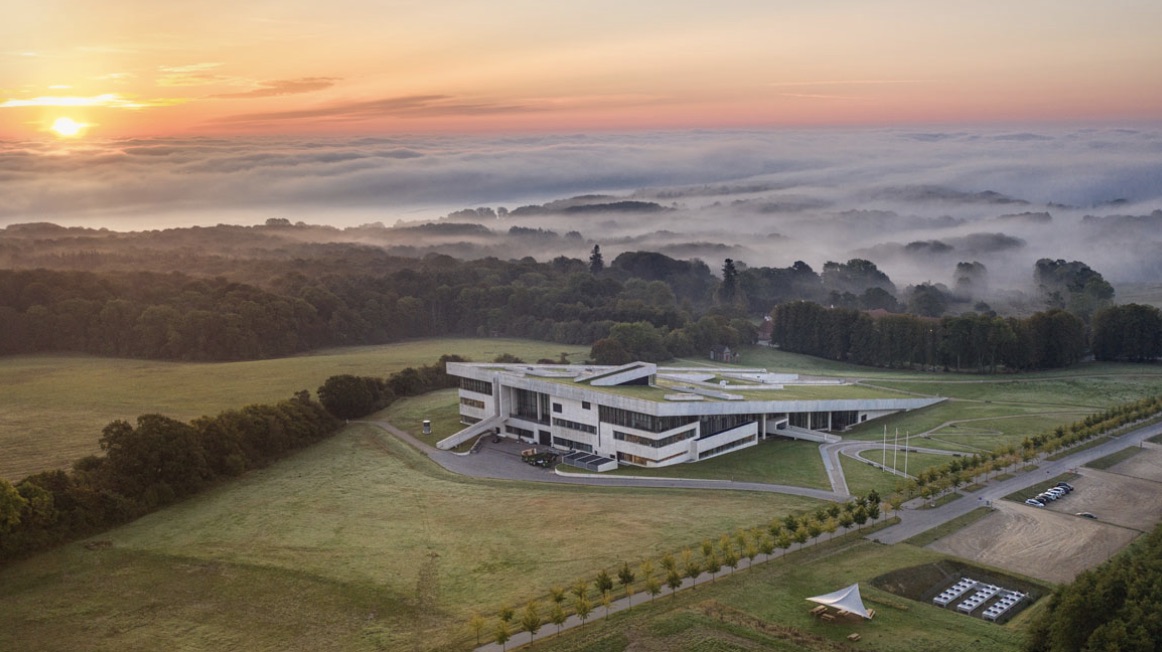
x: 68, y: 128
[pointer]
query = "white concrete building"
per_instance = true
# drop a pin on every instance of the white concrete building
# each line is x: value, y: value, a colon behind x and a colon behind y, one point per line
x: 644, y: 415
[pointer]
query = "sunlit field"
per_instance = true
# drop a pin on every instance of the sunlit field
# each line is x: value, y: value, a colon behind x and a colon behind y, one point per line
x: 348, y: 525
x: 54, y: 407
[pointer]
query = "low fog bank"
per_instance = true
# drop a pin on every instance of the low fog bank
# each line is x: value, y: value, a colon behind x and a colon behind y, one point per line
x: 914, y: 202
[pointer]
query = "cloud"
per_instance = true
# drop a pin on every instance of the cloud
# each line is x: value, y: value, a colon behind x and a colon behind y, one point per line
x: 283, y: 87
x: 106, y: 100
x: 828, y: 194
x: 196, y: 74
x: 406, y: 106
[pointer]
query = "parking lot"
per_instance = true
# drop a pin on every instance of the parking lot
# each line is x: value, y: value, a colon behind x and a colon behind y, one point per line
x: 1052, y: 543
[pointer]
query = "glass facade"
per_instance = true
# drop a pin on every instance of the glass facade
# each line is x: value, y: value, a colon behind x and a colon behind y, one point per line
x: 561, y: 442
x: 640, y: 421
x: 725, y: 447
x: 573, y: 425
x: 713, y: 424
x: 478, y: 386
x: 653, y: 443
x: 533, y: 406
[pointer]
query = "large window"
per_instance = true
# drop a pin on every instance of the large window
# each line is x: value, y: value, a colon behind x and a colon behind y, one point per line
x: 519, y: 432
x: 573, y: 425
x: 640, y: 421
x: 652, y: 443
x: 471, y: 402
x: 478, y: 386
x: 714, y: 424
x: 533, y: 406
x: 725, y: 447
x: 561, y: 442
x: 844, y: 419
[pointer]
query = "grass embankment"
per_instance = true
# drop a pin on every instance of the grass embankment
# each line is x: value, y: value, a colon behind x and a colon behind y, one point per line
x: 949, y: 527
x: 1103, y: 463
x: 765, y: 608
x: 336, y: 537
x: 55, y: 406
x: 781, y: 461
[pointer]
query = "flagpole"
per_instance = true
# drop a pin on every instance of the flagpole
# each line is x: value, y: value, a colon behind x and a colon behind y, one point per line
x: 906, y: 436
x: 884, y: 460
x: 896, y: 452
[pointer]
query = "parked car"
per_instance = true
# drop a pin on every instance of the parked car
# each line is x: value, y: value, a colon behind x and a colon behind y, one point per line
x: 1056, y: 491
x: 1045, y: 498
x: 1087, y: 515
x: 1066, y: 486
x: 1034, y: 502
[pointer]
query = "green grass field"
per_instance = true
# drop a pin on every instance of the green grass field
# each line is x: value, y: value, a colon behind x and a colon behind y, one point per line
x: 765, y: 609
x: 55, y: 406
x: 349, y: 522
x: 324, y: 549
x: 781, y: 461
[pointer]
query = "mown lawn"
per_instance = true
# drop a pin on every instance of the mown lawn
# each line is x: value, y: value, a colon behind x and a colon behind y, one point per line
x: 777, y: 461
x: 55, y: 406
x: 349, y: 523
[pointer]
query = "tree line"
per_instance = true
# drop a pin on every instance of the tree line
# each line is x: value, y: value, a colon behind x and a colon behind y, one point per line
x: 713, y: 556
x: 981, y: 342
x: 959, y: 471
x: 149, y: 464
x: 1116, y: 606
x: 157, y: 460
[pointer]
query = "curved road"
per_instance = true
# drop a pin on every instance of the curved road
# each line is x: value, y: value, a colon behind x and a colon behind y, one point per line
x: 501, y: 461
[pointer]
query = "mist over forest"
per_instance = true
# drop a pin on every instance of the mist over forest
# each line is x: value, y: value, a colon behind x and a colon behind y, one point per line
x: 916, y: 203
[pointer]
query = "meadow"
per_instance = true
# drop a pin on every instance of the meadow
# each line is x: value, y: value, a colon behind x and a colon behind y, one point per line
x: 326, y: 549
x: 55, y: 406
x: 765, y: 608
x: 339, y: 534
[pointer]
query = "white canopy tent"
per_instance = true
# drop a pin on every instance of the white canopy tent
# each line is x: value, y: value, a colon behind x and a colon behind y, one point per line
x: 846, y: 599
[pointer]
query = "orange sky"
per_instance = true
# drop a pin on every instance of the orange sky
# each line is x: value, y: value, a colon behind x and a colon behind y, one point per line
x: 136, y: 67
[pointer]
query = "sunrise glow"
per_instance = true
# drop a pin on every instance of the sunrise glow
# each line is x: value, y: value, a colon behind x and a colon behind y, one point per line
x: 354, y: 66
x: 68, y: 128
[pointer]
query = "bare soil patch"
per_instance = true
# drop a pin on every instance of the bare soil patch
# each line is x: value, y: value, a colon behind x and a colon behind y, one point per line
x: 1146, y: 465
x: 1037, y: 542
x: 1054, y: 544
x: 1131, y: 502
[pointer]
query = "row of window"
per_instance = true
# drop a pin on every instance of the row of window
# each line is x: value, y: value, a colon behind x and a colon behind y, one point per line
x: 573, y: 425
x: 653, y: 443
x: 471, y: 402
x: 713, y: 424
x: 561, y: 442
x: 468, y: 420
x: 640, y: 421
x: 725, y: 447
x: 478, y: 386
x: 520, y: 432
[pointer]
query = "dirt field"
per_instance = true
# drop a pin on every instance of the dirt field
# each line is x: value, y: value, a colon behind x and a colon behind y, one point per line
x: 1052, y: 543
x: 1146, y: 464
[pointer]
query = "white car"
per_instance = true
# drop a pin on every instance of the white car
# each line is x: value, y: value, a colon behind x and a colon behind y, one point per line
x: 1034, y: 502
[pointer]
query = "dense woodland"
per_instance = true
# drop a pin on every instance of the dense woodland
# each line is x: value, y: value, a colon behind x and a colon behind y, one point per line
x: 1116, y: 606
x: 236, y: 293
